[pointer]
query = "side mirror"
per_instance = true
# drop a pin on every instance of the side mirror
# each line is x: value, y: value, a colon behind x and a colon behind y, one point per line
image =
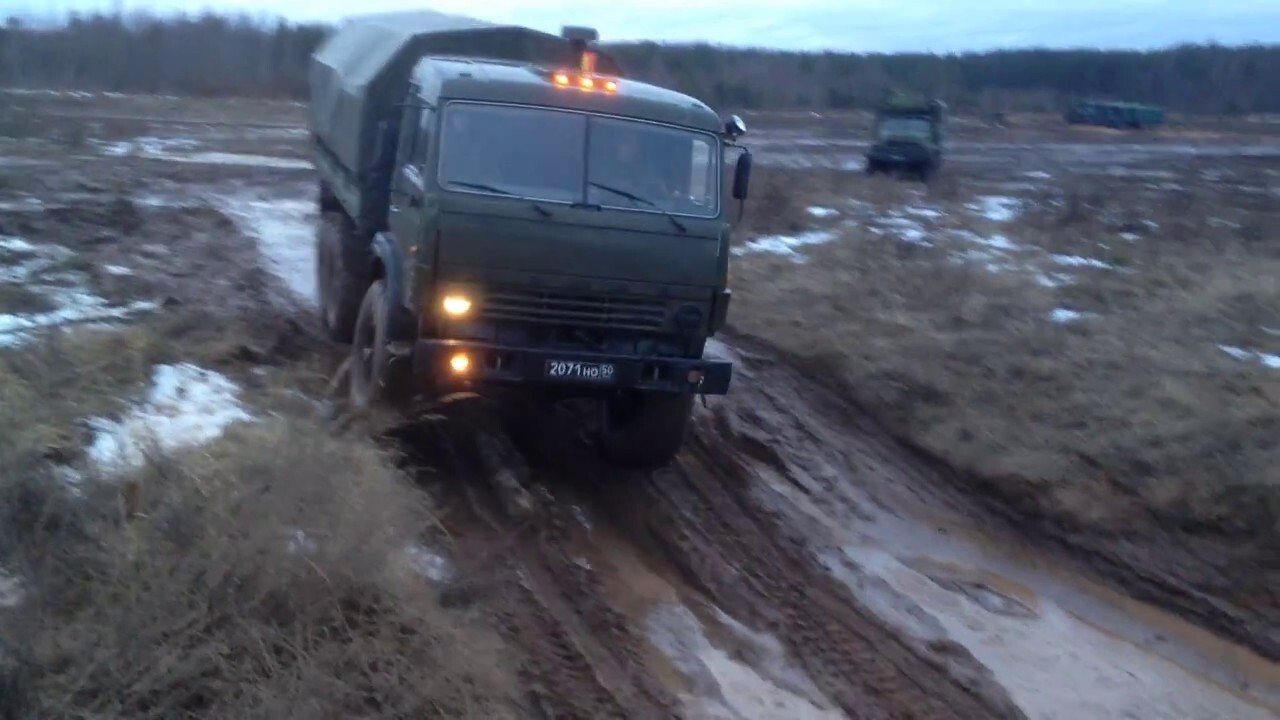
x: 734, y: 127
x: 742, y: 175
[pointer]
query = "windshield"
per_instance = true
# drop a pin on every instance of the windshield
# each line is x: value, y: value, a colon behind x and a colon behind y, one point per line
x: 572, y: 157
x: 905, y: 127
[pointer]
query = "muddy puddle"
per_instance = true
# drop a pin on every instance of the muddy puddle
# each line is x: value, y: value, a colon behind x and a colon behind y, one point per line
x: 1062, y: 645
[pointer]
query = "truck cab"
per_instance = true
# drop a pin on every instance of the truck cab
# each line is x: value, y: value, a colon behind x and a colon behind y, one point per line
x: 907, y: 137
x: 548, y: 226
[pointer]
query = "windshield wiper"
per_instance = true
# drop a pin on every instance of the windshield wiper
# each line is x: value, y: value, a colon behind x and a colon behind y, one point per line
x: 636, y: 198
x: 499, y: 191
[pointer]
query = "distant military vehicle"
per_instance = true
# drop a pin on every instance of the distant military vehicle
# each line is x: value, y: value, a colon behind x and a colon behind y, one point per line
x: 907, y: 137
x: 1118, y: 115
x: 503, y: 206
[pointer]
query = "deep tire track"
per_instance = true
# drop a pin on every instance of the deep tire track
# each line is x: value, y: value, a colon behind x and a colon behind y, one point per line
x: 581, y: 657
x: 702, y: 516
x: 858, y: 662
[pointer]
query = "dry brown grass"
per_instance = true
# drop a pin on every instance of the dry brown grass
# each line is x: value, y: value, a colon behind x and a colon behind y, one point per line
x: 264, y: 575
x: 1130, y: 424
x: 24, y: 300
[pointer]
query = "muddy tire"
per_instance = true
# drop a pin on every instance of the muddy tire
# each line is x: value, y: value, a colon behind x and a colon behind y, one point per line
x: 325, y: 199
x: 339, y: 285
x: 376, y: 377
x: 644, y: 430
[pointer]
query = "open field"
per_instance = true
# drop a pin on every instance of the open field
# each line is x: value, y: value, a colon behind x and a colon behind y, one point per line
x: 999, y: 447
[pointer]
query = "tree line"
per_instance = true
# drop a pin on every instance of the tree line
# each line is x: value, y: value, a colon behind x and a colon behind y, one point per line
x: 219, y: 55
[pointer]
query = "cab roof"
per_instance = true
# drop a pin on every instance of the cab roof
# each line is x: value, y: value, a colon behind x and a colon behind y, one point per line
x: 445, y: 77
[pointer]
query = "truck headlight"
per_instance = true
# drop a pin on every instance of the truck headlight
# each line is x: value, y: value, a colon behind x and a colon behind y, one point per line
x: 456, y: 305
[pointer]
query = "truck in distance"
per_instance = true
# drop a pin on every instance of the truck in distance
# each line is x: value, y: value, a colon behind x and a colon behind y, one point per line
x: 907, y: 137
x: 504, y: 207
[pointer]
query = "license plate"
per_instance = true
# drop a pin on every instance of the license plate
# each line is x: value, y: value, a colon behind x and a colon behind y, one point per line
x: 574, y: 370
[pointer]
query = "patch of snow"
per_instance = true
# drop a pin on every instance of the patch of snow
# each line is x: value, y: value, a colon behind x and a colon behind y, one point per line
x: 146, y: 146
x: 285, y: 230
x: 185, y: 406
x: 300, y: 544
x: 997, y: 242
x: 16, y: 244
x: 1080, y: 261
x: 1066, y: 315
x: 24, y: 205
x: 243, y: 159
x: 1235, y: 352
x: 785, y: 244
x: 44, y: 257
x: 1053, y: 280
x: 1267, y: 359
x: 1037, y: 174
x: 78, y: 308
x: 1131, y: 237
x: 822, y: 212
x: 997, y: 208
x: 581, y: 516
x: 907, y: 230
x: 429, y: 563
x: 925, y: 212
x: 10, y: 590
x: 117, y: 270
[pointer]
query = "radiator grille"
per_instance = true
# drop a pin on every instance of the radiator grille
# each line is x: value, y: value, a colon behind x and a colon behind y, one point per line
x: 578, y: 309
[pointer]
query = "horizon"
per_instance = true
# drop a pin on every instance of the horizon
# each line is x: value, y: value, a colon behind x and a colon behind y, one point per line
x: 804, y: 29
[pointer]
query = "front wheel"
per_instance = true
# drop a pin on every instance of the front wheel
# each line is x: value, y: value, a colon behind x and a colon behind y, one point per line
x: 644, y: 430
x: 376, y: 377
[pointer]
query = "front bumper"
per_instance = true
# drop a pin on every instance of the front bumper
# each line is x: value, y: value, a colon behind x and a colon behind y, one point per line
x: 501, y: 365
x: 898, y: 155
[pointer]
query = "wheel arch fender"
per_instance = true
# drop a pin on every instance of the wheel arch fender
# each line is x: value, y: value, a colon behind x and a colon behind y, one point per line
x: 385, y: 264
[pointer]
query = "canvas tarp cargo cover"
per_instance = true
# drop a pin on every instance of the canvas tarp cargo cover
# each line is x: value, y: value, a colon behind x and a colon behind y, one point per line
x: 359, y: 75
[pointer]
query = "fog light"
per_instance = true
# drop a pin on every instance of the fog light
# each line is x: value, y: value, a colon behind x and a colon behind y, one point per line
x: 456, y: 305
x: 460, y: 363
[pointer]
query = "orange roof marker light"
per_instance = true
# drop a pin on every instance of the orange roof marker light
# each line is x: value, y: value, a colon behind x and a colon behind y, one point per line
x: 585, y: 78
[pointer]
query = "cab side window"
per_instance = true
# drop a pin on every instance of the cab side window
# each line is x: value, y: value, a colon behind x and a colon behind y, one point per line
x: 409, y: 118
x: 421, y: 138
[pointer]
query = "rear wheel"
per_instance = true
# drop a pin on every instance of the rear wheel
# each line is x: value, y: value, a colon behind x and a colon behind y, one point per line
x: 376, y: 376
x: 644, y: 430
x: 339, y: 286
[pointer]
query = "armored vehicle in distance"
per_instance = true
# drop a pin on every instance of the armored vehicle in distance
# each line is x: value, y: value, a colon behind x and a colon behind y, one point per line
x: 1116, y: 115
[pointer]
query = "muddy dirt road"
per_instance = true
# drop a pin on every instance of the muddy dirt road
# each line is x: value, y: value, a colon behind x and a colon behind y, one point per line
x: 796, y: 562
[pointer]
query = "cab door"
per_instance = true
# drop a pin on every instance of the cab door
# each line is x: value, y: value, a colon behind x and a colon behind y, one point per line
x: 409, y: 208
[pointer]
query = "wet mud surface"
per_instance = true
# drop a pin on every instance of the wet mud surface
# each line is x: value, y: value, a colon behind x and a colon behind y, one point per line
x: 797, y: 561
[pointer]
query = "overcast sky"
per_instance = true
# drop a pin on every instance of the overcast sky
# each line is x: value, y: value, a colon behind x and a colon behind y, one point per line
x: 851, y: 25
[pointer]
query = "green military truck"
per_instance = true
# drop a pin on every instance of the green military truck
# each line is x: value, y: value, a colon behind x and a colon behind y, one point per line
x: 503, y: 207
x: 1116, y: 115
x: 907, y: 137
